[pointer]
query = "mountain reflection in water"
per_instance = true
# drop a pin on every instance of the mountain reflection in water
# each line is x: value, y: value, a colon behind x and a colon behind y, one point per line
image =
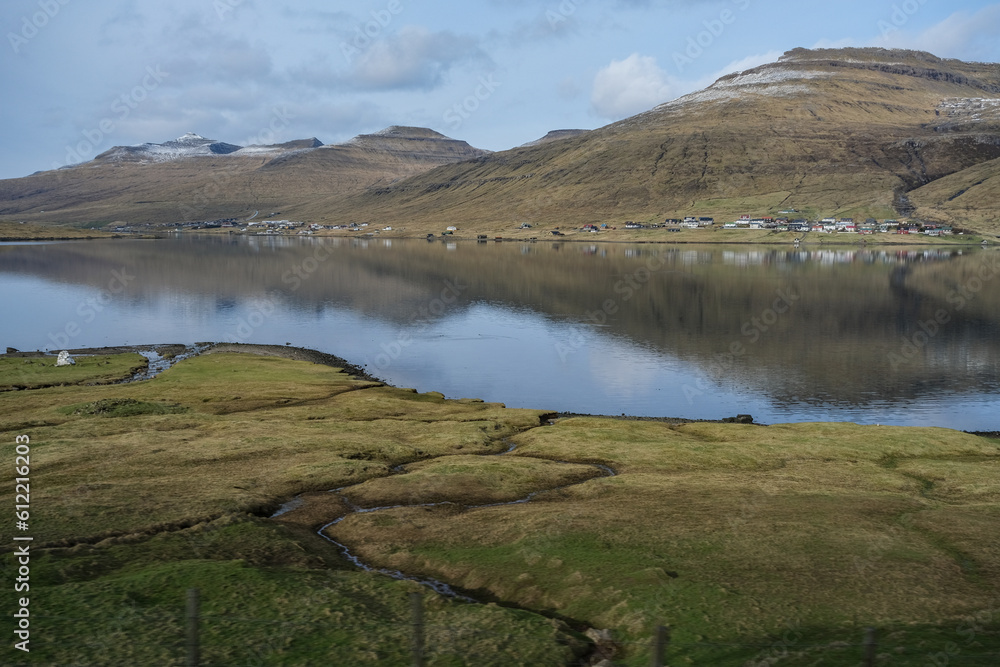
x: 907, y: 336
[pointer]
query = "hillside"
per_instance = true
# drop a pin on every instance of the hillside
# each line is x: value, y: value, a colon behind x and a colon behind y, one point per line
x: 194, y: 178
x: 845, y: 132
x: 828, y: 132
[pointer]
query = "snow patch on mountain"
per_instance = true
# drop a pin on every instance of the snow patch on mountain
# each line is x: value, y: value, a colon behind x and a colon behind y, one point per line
x: 766, y: 76
x: 771, y: 81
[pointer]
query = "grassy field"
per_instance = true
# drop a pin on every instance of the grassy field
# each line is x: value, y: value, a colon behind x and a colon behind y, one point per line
x: 141, y: 491
x: 40, y: 231
x: 757, y: 545
x: 41, y: 371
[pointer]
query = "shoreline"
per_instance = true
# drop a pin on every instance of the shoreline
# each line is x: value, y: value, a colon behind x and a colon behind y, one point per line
x: 323, y: 358
x: 584, y: 237
x: 807, y: 240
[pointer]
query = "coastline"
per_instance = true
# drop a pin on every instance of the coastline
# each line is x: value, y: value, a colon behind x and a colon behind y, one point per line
x: 170, y: 350
x: 688, y: 237
x: 235, y: 471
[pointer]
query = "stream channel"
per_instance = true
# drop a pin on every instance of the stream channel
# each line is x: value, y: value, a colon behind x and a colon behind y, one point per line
x: 159, y: 363
x: 438, y: 586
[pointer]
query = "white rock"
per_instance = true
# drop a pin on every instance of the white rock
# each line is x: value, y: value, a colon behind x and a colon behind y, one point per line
x: 64, y: 359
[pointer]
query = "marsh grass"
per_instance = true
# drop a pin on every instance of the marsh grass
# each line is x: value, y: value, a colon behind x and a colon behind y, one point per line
x: 122, y: 407
x: 227, y: 433
x: 267, y: 598
x: 36, y: 372
x: 469, y: 480
x: 143, y: 490
x: 730, y: 533
x: 738, y: 536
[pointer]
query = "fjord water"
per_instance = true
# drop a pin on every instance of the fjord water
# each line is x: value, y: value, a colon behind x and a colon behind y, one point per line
x: 879, y: 335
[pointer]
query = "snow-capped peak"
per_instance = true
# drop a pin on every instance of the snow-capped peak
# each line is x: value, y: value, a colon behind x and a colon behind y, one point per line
x: 191, y: 136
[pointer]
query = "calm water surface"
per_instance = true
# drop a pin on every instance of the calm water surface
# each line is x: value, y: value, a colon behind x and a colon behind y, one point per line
x: 871, y: 336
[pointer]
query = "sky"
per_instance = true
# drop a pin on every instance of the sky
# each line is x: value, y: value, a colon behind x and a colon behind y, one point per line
x: 81, y: 76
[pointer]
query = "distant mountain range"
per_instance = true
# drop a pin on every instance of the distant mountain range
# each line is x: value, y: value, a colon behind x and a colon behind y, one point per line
x: 847, y: 132
x: 194, y: 178
x: 192, y: 145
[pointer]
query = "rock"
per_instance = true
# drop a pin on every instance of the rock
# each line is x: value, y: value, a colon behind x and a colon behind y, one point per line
x: 12, y: 350
x: 598, y: 636
x: 65, y: 360
x: 604, y: 647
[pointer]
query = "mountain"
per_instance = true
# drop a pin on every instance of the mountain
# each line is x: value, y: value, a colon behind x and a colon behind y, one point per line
x: 555, y: 135
x: 195, y: 178
x: 851, y: 132
x: 846, y: 132
x: 190, y: 145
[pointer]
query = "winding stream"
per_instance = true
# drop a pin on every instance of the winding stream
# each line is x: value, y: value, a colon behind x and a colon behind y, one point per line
x: 158, y: 363
x: 438, y: 586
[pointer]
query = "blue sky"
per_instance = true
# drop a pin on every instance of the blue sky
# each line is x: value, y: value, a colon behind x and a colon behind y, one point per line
x: 81, y: 76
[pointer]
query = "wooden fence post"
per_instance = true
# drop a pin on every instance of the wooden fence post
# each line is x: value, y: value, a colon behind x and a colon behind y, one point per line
x: 871, y: 646
x: 193, y: 613
x: 417, y: 611
x: 661, y: 637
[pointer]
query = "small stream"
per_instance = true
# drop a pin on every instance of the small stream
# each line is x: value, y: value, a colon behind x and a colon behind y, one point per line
x: 438, y: 586
x: 157, y: 363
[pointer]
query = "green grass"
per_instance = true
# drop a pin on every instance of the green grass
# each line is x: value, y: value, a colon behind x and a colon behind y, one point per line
x: 36, y: 372
x: 228, y: 433
x: 731, y: 533
x: 122, y: 407
x: 264, y: 600
x: 469, y: 480
x: 143, y: 490
x: 763, y: 545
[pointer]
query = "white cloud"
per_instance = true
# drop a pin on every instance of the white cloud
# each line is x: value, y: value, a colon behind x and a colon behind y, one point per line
x: 964, y: 35
x: 415, y: 57
x: 626, y: 87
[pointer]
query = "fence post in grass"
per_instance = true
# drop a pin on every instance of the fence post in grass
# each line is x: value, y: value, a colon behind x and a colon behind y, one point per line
x: 661, y: 637
x: 193, y: 612
x: 871, y: 645
x: 417, y: 611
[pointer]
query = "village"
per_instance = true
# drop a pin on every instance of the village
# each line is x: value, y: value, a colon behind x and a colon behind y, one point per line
x: 831, y: 225
x: 784, y: 224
